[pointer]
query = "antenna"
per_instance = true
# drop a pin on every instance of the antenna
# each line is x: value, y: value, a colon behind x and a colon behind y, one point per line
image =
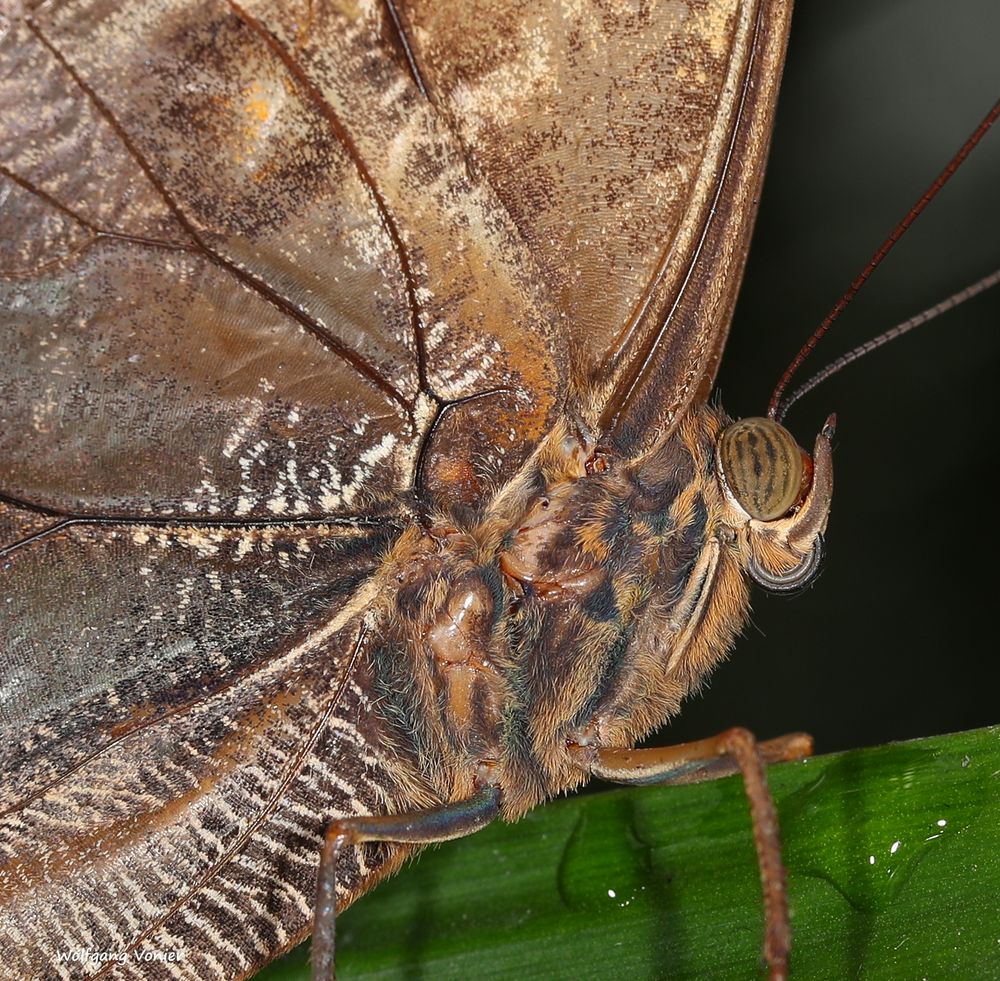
x: 777, y: 407
x: 974, y: 289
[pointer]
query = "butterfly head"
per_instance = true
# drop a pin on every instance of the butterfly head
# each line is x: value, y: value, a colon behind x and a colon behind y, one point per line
x: 777, y: 499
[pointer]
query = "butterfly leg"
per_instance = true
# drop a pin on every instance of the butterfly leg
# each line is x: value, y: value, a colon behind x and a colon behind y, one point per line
x: 733, y: 751
x: 419, y: 828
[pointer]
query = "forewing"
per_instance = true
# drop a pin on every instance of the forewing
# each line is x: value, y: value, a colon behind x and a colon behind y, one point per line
x: 241, y: 259
x: 627, y: 143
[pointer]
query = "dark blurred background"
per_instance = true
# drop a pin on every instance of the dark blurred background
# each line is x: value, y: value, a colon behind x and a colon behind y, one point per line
x: 897, y: 638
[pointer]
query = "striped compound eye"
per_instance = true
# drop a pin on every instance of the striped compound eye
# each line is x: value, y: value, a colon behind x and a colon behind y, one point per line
x: 763, y: 467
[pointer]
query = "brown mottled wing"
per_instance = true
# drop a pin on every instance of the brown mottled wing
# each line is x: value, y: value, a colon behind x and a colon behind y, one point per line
x: 240, y: 251
x: 627, y: 142
x: 182, y: 711
x: 246, y: 253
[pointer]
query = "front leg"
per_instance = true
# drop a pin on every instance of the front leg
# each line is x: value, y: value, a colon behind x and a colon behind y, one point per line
x: 733, y: 751
x: 419, y: 828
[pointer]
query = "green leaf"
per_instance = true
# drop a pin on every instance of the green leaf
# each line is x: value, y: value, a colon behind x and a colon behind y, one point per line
x: 892, y: 855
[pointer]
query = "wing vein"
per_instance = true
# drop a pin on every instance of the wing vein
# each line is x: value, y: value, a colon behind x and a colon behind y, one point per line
x: 115, y: 521
x: 403, y: 38
x: 344, y: 138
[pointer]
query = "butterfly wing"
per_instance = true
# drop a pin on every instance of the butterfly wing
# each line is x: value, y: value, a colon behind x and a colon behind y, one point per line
x: 627, y: 142
x: 183, y: 710
x: 248, y: 254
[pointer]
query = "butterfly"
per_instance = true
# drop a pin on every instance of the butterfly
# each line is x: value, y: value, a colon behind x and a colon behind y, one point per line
x: 297, y: 578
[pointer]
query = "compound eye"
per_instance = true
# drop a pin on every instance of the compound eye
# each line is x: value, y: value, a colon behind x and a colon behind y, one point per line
x: 763, y: 467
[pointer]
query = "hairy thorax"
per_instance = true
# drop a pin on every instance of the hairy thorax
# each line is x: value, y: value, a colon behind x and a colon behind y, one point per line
x: 593, y: 595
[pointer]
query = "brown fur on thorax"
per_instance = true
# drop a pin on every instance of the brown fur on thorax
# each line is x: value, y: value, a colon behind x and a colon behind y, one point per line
x: 576, y: 614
